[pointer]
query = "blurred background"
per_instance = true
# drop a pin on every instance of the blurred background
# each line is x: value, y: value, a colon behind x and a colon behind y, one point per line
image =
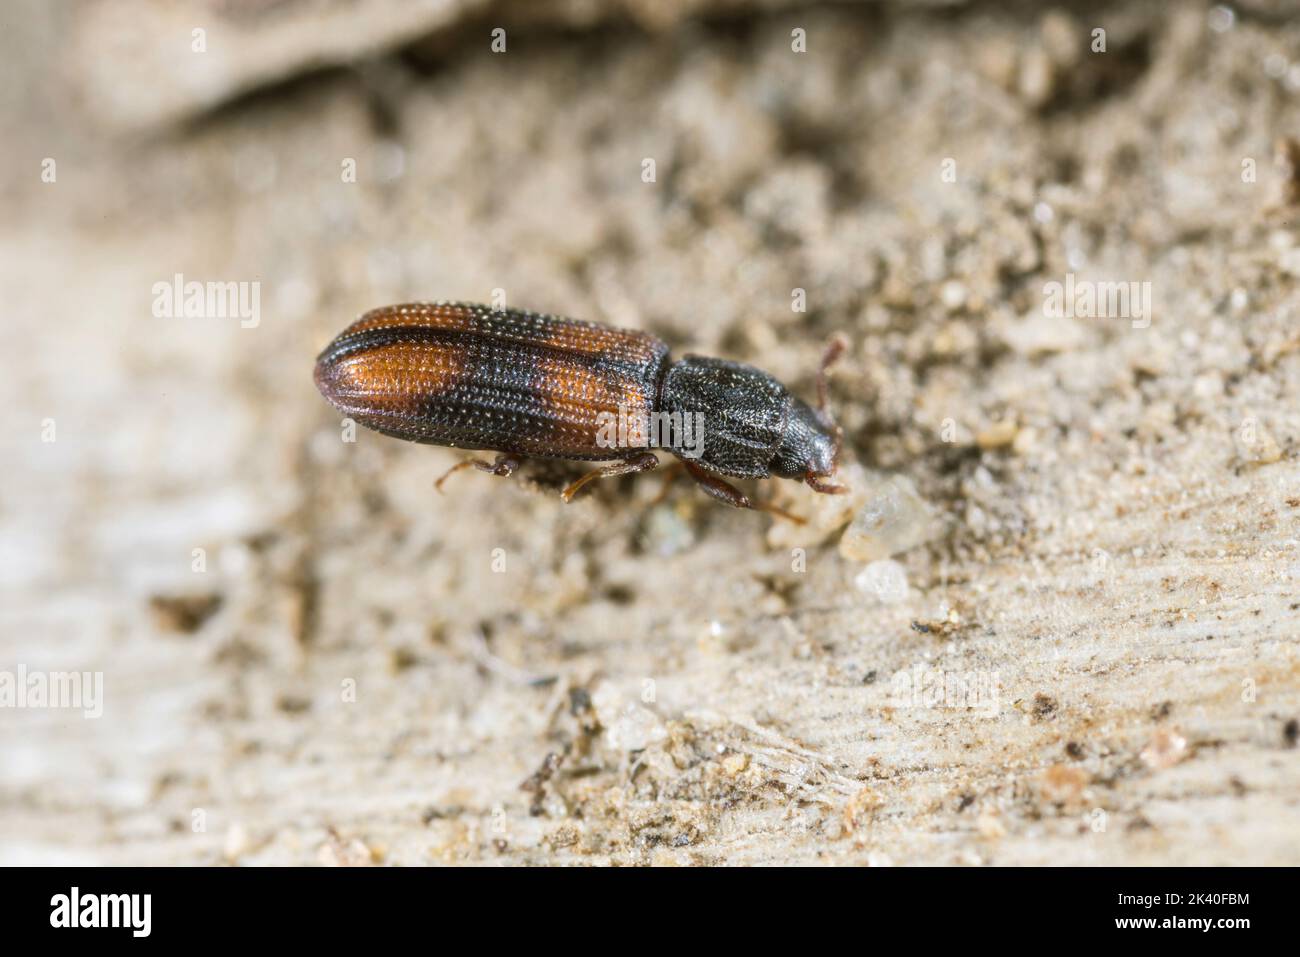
x: 309, y: 656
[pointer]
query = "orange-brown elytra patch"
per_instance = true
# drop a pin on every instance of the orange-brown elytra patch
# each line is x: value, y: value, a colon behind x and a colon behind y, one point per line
x: 610, y: 378
x: 612, y: 345
x: 581, y: 394
x: 569, y: 335
x: 393, y: 377
x: 420, y: 315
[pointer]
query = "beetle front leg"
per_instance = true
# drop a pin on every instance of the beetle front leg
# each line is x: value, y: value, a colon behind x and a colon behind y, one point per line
x: 815, y: 483
x: 724, y: 491
x: 639, y: 462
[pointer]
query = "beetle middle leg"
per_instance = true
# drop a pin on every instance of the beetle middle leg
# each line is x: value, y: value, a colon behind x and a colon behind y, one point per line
x: 504, y: 465
x: 670, y: 475
x: 639, y: 462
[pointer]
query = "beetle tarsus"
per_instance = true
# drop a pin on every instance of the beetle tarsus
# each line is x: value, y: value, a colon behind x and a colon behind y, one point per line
x: 640, y: 462
x: 503, y: 465
x: 781, y: 513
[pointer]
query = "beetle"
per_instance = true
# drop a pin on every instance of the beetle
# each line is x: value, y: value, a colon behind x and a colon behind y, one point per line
x: 526, y: 384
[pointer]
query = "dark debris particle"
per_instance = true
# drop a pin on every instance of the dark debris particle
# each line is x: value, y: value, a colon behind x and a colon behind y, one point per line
x: 536, y: 782
x: 544, y: 772
x: 1044, y: 706
x: 431, y: 813
x: 870, y: 677
x: 293, y: 704
x: 579, y: 701
x: 939, y: 627
x: 1291, y: 732
x: 1162, y: 710
x: 620, y: 594
x: 1074, y: 749
x: 400, y: 659
x: 185, y: 614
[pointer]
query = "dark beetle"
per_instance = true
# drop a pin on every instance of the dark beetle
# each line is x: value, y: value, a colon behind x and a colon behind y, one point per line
x: 530, y: 385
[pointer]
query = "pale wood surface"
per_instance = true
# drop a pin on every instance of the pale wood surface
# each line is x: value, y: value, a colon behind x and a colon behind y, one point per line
x: 1121, y: 566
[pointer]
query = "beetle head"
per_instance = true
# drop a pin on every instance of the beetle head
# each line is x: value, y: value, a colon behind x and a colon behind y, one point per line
x: 810, y: 445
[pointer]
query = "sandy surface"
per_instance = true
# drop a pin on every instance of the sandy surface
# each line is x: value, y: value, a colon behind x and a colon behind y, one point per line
x: 310, y: 656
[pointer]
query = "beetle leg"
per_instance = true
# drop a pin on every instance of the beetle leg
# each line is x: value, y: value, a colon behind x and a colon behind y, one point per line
x: 780, y: 513
x: 670, y: 474
x: 724, y: 491
x: 815, y: 483
x: 640, y: 462
x: 504, y: 465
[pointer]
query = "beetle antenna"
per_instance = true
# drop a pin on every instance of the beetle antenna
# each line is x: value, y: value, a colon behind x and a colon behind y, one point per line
x: 834, y: 349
